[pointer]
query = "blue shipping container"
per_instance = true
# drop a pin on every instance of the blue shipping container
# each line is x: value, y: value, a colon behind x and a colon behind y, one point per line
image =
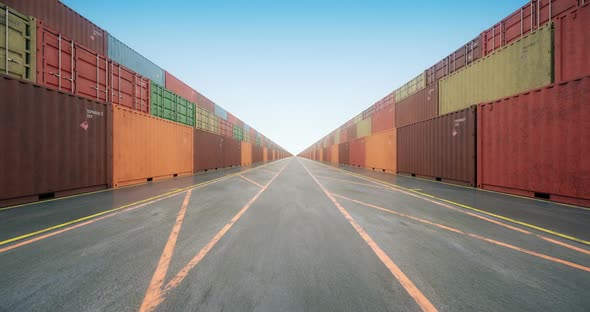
x: 246, y: 128
x: 220, y: 112
x: 124, y: 55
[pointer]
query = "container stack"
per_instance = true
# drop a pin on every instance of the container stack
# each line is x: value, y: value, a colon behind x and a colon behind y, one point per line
x: 506, y: 112
x: 83, y: 111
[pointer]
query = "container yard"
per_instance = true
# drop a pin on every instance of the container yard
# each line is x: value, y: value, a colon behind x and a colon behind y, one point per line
x: 136, y: 183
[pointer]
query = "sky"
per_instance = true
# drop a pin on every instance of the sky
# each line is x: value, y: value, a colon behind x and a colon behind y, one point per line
x: 294, y: 70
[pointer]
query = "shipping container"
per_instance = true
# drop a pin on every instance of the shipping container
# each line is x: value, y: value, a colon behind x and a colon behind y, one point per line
x: 521, y: 22
x: 65, y: 65
x: 264, y: 154
x: 535, y: 144
x: 344, y: 153
x: 246, y: 153
x: 124, y: 55
x: 204, y: 102
x: 334, y: 151
x: 442, y: 148
x: 420, y: 106
x: 54, y: 144
x: 257, y: 154
x: 168, y: 105
x: 128, y: 89
x: 17, y: 44
x: 232, y: 155
x: 65, y: 21
x: 357, y: 152
x: 416, y: 84
x: 572, y: 44
x: 351, y: 132
x: 380, y: 151
x: 147, y: 148
x: 220, y: 112
x: 384, y: 119
x: 336, y: 136
x: 177, y: 86
x: 234, y: 120
x: 238, y: 133
x: 206, y: 121
x: 207, y: 151
x: 463, y: 56
x: 363, y: 128
x: 225, y: 128
x: 520, y: 66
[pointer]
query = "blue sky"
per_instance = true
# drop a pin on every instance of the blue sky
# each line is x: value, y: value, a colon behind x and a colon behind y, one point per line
x: 294, y: 70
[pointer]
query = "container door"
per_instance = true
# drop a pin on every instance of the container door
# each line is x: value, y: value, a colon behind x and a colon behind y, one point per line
x: 141, y: 93
x: 56, y: 60
x: 17, y: 44
x: 91, y: 74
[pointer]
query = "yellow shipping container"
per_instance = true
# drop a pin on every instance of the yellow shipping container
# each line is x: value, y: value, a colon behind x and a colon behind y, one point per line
x: 411, y: 87
x: 522, y: 65
x: 21, y: 44
x: 380, y: 151
x: 363, y: 128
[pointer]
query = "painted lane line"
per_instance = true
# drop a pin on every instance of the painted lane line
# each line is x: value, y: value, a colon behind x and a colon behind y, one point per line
x: 437, y: 200
x: 155, y: 298
x: 269, y: 171
x: 106, y: 212
x: 251, y: 181
x: 406, y: 283
x: 448, y: 228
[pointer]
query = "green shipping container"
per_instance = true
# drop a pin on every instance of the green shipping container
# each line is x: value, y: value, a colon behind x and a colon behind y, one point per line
x: 363, y: 128
x: 168, y: 105
x: 238, y: 133
x: 411, y: 87
x: 522, y: 65
x: 21, y: 44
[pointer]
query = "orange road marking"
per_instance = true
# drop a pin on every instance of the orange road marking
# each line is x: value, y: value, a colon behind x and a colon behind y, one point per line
x: 253, y: 182
x: 269, y: 171
x: 408, y: 285
x: 157, y: 297
x: 154, y: 289
x: 448, y: 228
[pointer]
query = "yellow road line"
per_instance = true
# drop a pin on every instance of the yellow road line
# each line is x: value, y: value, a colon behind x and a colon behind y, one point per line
x: 538, y: 228
x: 14, y: 239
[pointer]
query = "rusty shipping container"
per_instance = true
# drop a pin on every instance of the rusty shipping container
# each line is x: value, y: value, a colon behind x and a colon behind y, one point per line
x: 383, y: 119
x: 231, y: 152
x: 147, y: 148
x: 54, y: 144
x: 420, y: 106
x: 128, y: 88
x: 66, y: 21
x: 207, y: 151
x: 65, y: 65
x: 357, y: 152
x: 177, y: 86
x: 536, y: 144
x: 343, y: 153
x: 465, y: 55
x: 380, y: 151
x: 523, y: 21
x: 442, y: 148
x: 257, y: 152
x: 572, y: 44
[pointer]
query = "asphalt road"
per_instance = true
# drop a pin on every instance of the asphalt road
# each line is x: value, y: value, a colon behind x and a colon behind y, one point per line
x: 294, y: 235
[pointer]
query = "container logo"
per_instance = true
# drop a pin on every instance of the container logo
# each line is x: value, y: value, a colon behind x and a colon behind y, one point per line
x: 84, y: 125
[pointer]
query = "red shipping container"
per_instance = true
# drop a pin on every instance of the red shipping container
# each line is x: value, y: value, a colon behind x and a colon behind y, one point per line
x: 419, y: 106
x: 536, y: 144
x: 572, y: 44
x: 225, y: 128
x: 465, y: 55
x: 234, y: 120
x: 351, y: 132
x: 128, y: 88
x: 232, y: 153
x: 529, y: 17
x: 383, y: 119
x: 65, y: 65
x: 257, y: 154
x: 180, y: 88
x: 65, y: 21
x: 208, y: 151
x: 357, y: 152
x: 204, y: 102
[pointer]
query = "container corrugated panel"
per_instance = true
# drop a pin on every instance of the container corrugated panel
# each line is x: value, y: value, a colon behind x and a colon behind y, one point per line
x: 64, y: 20
x: 441, y: 148
x: 536, y: 143
x: 128, y: 89
x: 363, y: 128
x: 380, y: 151
x: 21, y: 44
x: 52, y: 143
x: 357, y: 152
x: 238, y: 133
x: 246, y: 153
x: 521, y: 22
x: 220, y: 112
x: 416, y: 84
x: 232, y: 155
x: 334, y: 151
x: 520, y: 66
x: 336, y: 136
x: 257, y: 152
x: 185, y: 111
x: 463, y: 56
x: 264, y: 154
x: 207, y: 151
x: 420, y: 106
x: 204, y: 102
x: 225, y: 128
x: 572, y: 44
x: 383, y: 119
x: 246, y: 128
x: 168, y: 105
x: 146, y: 148
x: 351, y: 132
x: 124, y: 55
x: 177, y: 86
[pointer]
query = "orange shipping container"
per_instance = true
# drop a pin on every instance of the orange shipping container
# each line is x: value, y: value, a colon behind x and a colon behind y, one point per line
x: 147, y: 148
x: 265, y: 154
x: 380, y: 151
x: 246, y: 153
x: 334, y: 151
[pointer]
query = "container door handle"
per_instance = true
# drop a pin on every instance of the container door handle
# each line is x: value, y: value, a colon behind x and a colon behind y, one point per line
x: 69, y: 78
x: 13, y: 60
x: 55, y: 74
